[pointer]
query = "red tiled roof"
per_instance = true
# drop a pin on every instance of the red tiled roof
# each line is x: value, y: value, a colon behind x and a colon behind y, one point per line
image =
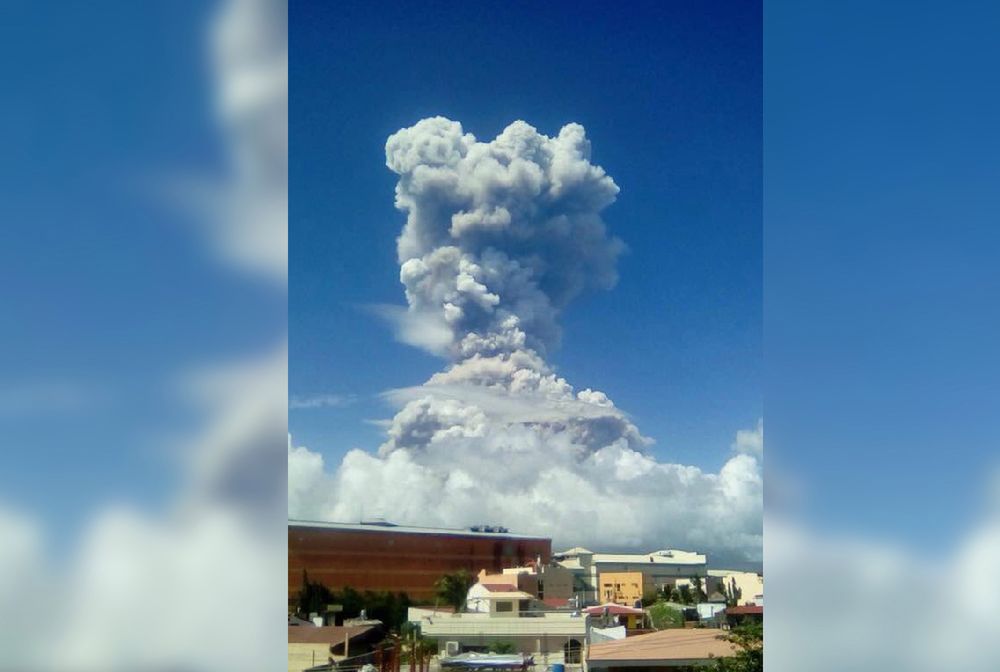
x: 748, y: 609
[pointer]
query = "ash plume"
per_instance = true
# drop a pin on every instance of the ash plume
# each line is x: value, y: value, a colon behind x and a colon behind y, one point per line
x: 499, y: 237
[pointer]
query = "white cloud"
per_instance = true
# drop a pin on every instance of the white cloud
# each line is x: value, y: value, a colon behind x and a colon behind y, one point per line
x: 838, y: 603
x: 751, y: 441
x: 201, y: 585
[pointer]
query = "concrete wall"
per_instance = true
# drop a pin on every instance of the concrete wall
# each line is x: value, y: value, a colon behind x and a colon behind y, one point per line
x: 301, y: 656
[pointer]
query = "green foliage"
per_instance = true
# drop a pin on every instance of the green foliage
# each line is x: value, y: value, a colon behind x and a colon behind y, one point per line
x: 453, y: 588
x: 502, y: 647
x: 685, y: 595
x: 664, y: 616
x: 699, y: 589
x: 749, y: 641
x: 733, y: 594
x: 313, y: 597
x: 388, y: 607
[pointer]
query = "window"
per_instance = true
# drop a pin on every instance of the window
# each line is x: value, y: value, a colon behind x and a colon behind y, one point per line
x: 571, y: 652
x: 505, y: 606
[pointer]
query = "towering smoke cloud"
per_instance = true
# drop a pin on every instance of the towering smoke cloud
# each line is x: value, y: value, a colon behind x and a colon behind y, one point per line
x: 500, y: 236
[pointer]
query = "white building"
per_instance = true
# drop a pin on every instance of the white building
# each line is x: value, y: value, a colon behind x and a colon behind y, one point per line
x: 659, y: 568
x: 549, y: 636
x: 492, y: 598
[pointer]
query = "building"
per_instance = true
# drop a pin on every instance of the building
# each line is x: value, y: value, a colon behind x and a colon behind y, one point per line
x: 384, y: 557
x: 750, y: 585
x: 663, y: 650
x: 549, y: 637
x: 498, y: 598
x: 610, y: 615
x: 625, y: 588
x: 309, y: 645
x: 658, y: 568
x: 547, y: 582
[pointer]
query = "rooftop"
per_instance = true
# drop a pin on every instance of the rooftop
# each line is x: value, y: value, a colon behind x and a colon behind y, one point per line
x: 666, y: 647
x: 614, y: 609
x: 327, y: 634
x: 748, y: 609
x: 386, y: 527
x: 667, y: 556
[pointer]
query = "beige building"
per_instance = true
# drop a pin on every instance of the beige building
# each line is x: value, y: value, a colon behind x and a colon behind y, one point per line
x: 625, y: 588
x: 659, y: 568
x: 547, y: 582
x: 548, y: 636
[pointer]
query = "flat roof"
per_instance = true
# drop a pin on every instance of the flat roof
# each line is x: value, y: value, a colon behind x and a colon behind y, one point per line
x: 666, y: 647
x: 410, y: 529
x: 667, y: 556
x: 326, y: 634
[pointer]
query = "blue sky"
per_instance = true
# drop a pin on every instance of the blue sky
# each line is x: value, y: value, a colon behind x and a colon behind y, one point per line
x: 881, y: 278
x: 670, y: 95
x: 111, y: 289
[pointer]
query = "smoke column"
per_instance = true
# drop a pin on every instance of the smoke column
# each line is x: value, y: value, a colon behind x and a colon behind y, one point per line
x: 499, y: 237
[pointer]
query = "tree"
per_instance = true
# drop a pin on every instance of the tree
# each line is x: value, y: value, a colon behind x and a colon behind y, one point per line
x: 699, y: 592
x: 663, y: 616
x: 685, y: 594
x: 313, y: 596
x: 733, y: 594
x: 453, y: 588
x: 502, y: 647
x: 749, y: 642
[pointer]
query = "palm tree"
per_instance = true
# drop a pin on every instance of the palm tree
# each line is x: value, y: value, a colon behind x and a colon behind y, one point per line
x: 453, y: 588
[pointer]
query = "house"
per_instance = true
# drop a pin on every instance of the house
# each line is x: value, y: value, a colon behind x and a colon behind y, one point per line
x: 663, y: 650
x: 659, y: 568
x: 549, y: 637
x: 499, y: 598
x: 544, y: 581
x: 611, y: 614
x: 310, y: 645
x: 736, y: 616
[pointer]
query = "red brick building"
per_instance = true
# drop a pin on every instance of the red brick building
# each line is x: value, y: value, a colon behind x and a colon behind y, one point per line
x: 380, y: 556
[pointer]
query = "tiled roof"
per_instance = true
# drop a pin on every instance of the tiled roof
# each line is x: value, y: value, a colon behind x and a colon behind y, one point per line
x: 747, y: 609
x: 665, y: 645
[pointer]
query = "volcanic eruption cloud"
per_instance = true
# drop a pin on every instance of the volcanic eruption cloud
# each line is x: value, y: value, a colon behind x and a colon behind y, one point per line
x: 500, y: 236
